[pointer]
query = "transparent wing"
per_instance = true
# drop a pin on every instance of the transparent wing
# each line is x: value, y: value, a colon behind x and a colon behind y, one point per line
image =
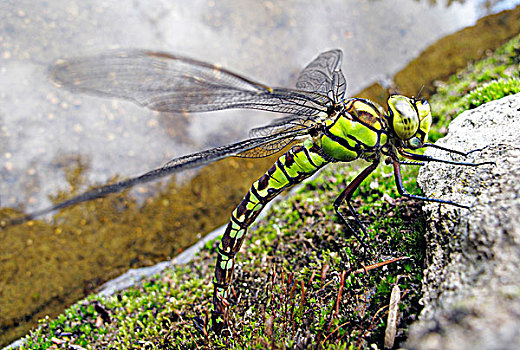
x: 173, y: 166
x: 285, y: 123
x: 292, y: 130
x: 288, y: 124
x: 169, y: 83
x: 324, y: 76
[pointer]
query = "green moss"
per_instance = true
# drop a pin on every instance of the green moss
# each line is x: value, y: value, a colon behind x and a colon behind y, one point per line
x: 491, y: 91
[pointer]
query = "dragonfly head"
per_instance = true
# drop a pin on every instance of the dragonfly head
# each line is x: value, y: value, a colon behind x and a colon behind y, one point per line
x: 409, y: 119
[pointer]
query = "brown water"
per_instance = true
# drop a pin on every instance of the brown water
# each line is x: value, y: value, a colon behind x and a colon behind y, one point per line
x: 52, y: 139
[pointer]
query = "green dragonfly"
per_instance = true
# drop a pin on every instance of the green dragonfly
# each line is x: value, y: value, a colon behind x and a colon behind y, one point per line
x: 327, y: 127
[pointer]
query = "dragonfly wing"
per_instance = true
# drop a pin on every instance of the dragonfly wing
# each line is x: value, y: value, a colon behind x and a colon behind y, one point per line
x: 274, y: 146
x: 173, y: 166
x: 339, y: 86
x: 290, y: 122
x: 235, y: 149
x: 286, y: 124
x: 267, y: 149
x: 324, y: 76
x: 169, y: 83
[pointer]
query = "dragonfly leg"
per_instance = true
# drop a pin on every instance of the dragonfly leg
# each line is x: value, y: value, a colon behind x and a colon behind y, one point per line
x: 423, y: 158
x: 403, y: 162
x: 402, y: 190
x: 346, y: 196
x: 449, y: 150
x: 389, y: 160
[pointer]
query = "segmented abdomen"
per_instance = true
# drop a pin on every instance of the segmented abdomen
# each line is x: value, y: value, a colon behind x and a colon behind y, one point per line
x: 291, y: 168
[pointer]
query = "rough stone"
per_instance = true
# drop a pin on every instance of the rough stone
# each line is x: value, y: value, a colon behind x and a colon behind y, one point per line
x: 471, y: 287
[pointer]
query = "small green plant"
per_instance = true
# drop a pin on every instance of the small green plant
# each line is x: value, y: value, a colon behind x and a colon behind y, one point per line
x: 492, y: 91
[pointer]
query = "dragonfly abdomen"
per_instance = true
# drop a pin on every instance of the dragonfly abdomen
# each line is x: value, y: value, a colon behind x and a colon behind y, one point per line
x: 291, y: 168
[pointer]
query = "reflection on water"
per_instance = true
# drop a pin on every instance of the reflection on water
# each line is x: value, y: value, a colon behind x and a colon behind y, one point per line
x: 53, y: 139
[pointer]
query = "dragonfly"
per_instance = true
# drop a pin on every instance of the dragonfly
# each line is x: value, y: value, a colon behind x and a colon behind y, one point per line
x: 319, y: 122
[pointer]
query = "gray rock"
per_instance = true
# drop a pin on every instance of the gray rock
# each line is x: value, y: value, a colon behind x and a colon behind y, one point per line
x: 471, y: 286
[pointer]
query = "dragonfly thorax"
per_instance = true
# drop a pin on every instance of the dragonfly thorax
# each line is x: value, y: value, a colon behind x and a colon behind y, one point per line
x: 358, y: 131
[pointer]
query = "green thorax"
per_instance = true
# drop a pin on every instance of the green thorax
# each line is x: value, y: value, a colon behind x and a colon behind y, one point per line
x: 358, y: 131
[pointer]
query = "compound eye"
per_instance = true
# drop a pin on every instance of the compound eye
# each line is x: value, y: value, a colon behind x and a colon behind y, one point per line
x: 423, y: 107
x: 405, y: 120
x: 425, y: 116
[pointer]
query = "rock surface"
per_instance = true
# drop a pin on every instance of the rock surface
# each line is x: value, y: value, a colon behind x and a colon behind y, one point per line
x: 471, y: 289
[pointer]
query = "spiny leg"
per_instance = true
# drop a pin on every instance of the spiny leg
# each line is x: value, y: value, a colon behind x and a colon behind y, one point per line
x: 346, y: 196
x: 402, y: 190
x: 449, y: 150
x: 404, y: 162
x: 423, y: 158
